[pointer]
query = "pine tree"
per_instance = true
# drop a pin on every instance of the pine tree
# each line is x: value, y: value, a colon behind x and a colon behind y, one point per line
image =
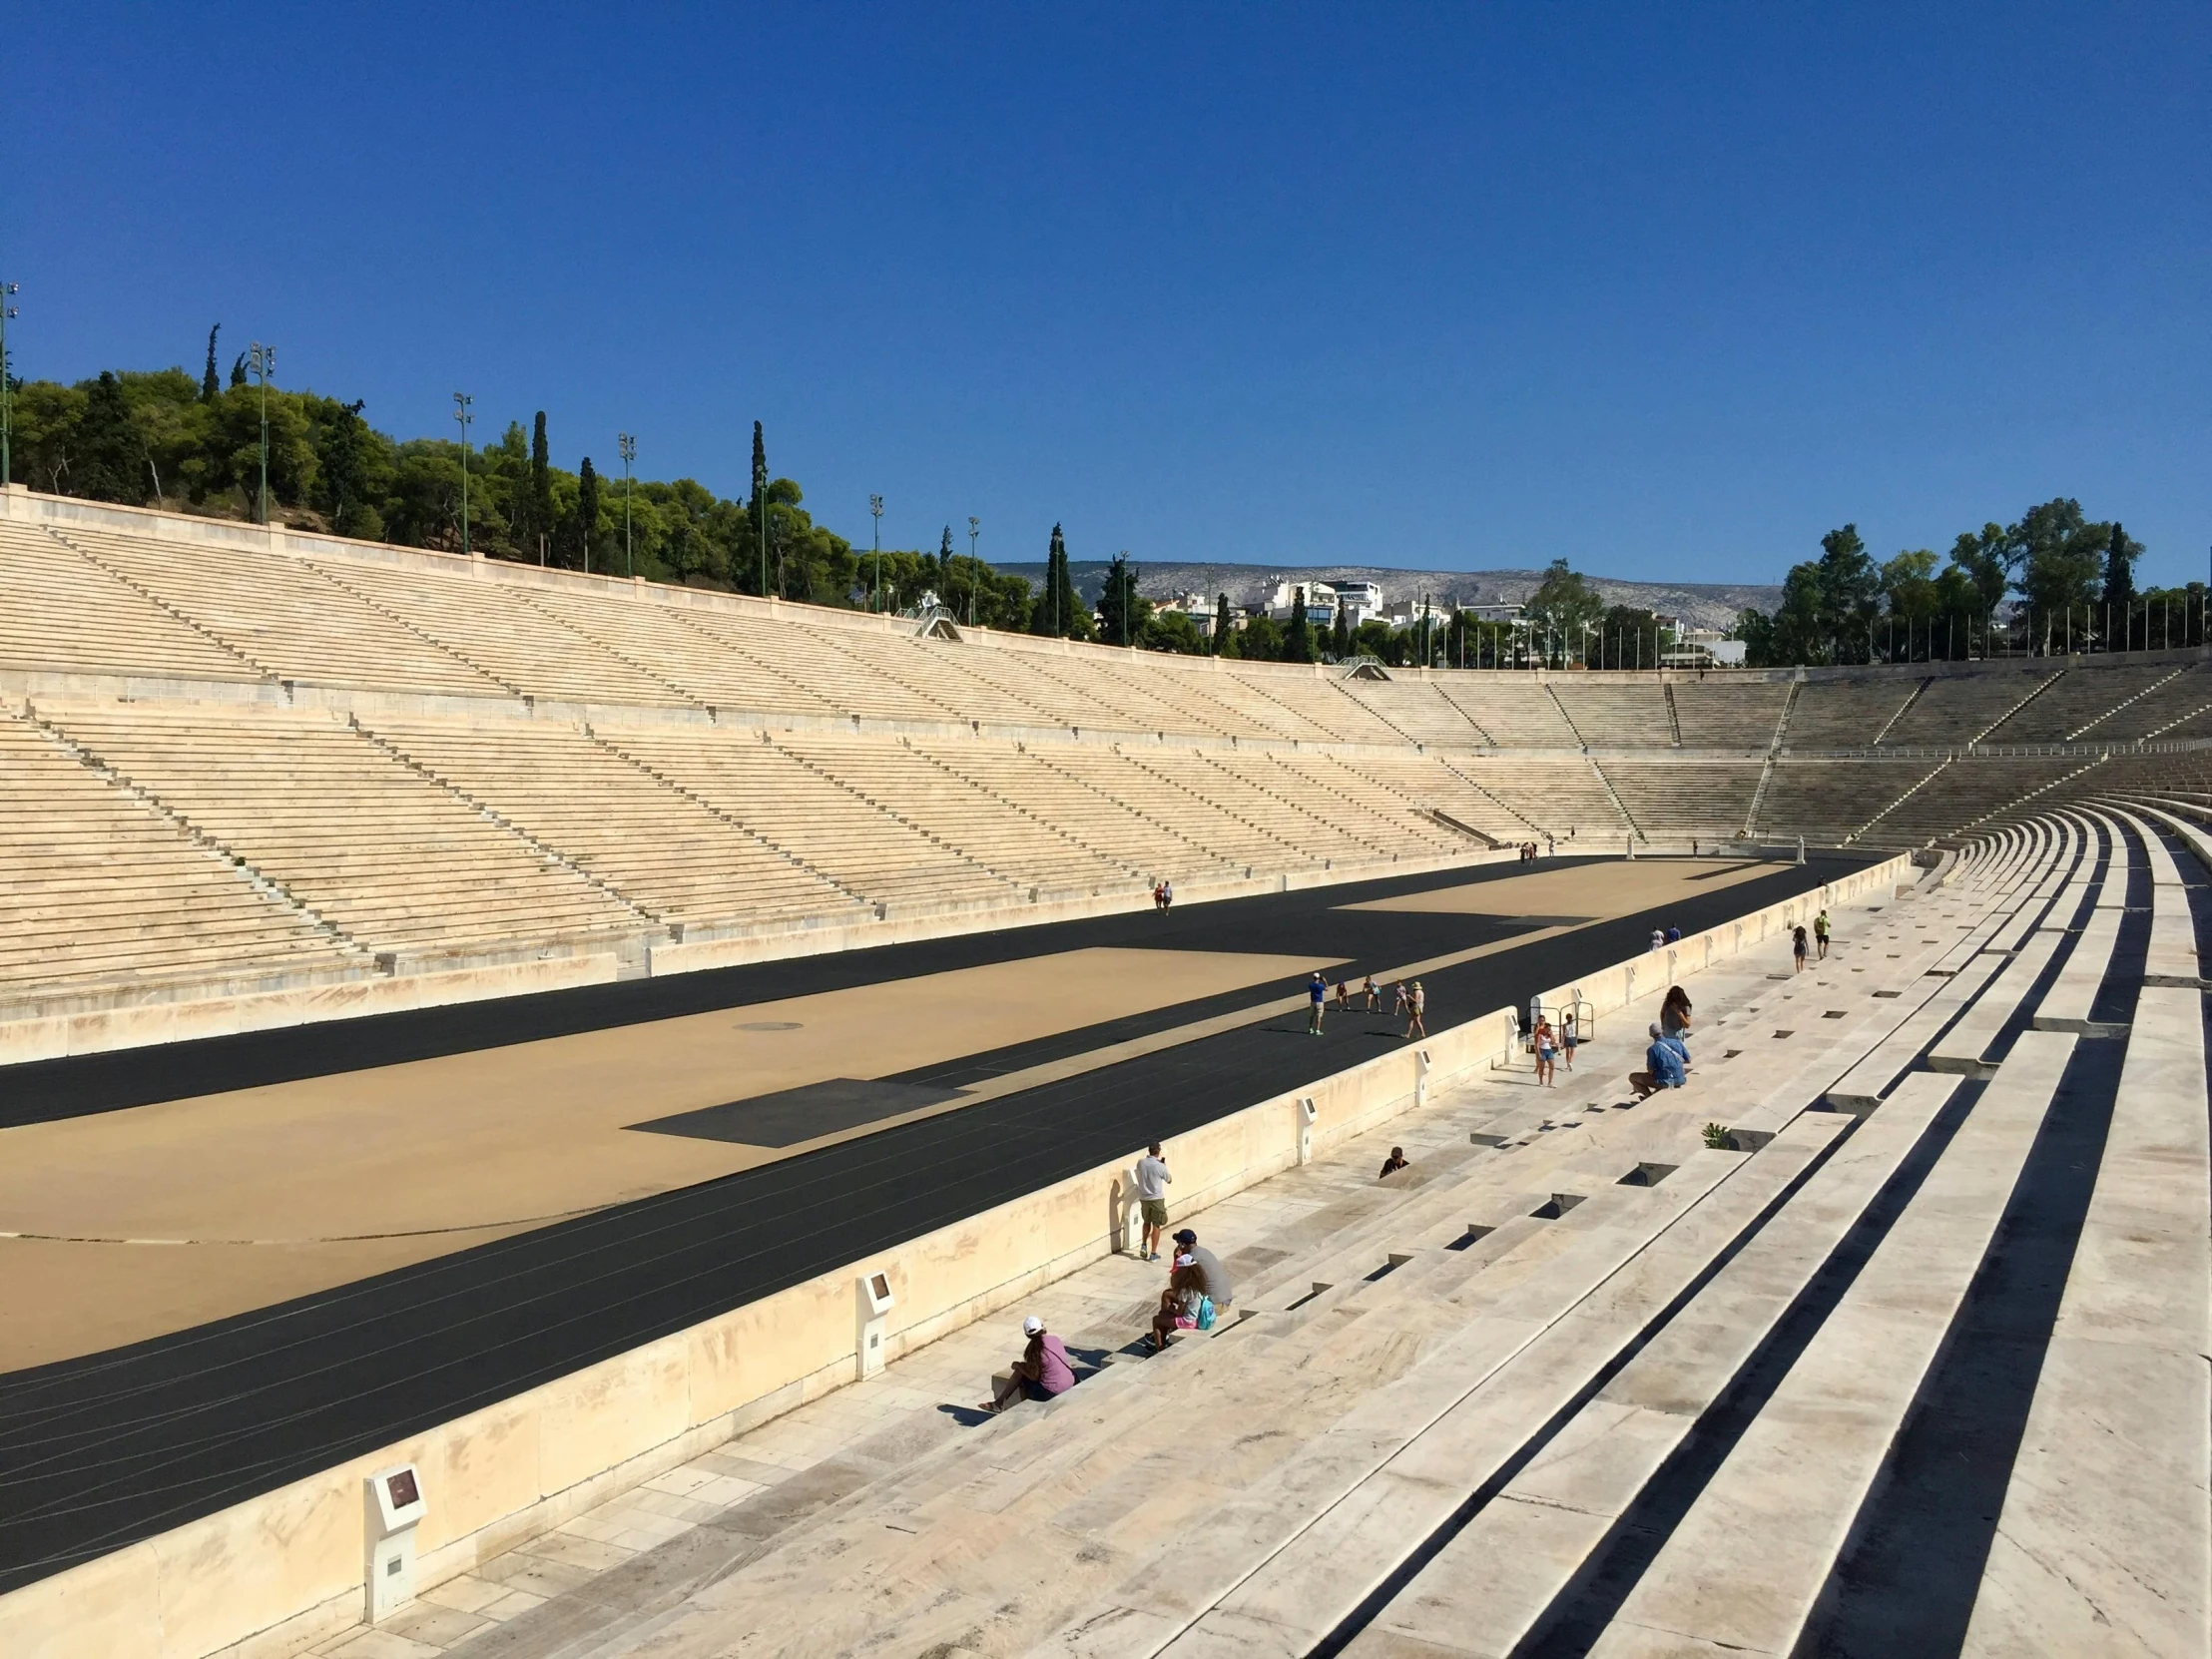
x: 587, y: 509
x: 210, y: 387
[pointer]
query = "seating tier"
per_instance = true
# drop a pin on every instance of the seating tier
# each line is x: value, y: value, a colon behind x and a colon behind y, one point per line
x: 1739, y: 714
x: 62, y: 614
x: 104, y: 891
x: 1689, y: 798
x: 392, y: 858
x: 1617, y: 713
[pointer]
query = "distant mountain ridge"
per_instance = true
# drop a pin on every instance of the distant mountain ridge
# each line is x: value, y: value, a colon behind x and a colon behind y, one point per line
x: 1701, y: 604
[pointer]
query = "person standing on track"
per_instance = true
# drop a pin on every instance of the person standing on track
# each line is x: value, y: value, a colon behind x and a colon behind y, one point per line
x: 1317, y: 993
x: 1820, y: 931
x: 1152, y: 1197
x: 1374, y: 995
x: 1416, y: 1001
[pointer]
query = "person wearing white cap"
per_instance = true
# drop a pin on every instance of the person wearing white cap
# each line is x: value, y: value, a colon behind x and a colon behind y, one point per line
x: 1041, y: 1372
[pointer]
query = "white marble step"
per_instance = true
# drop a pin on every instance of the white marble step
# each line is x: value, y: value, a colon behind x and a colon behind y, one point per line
x: 1290, y: 1601
x: 1785, y: 1499
x: 1485, y: 1592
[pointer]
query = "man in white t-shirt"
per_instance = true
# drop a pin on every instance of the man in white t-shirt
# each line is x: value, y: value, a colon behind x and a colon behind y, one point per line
x: 1152, y: 1197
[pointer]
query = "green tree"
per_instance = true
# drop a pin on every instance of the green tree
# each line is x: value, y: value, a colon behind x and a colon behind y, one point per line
x: 942, y: 580
x: 1339, y: 633
x: 1224, y: 628
x: 1121, y: 610
x: 1298, y: 639
x: 1172, y: 631
x: 210, y: 387
x: 237, y: 369
x: 1849, y: 587
x: 111, y: 463
x: 757, y: 509
x: 2120, y: 554
x: 1260, y: 641
x: 585, y: 538
x: 2061, y: 557
x: 345, y: 475
x: 1562, y: 603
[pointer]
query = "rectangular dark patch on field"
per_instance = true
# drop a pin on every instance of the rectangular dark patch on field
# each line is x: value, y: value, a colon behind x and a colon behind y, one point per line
x: 790, y: 1116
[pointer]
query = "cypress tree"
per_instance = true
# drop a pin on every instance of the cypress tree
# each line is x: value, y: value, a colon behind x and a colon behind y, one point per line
x: 237, y: 369
x: 1221, y: 622
x: 1298, y: 642
x: 111, y: 463
x: 210, y: 387
x: 541, y: 488
x: 944, y: 567
x: 1044, y: 615
x: 2119, y: 574
x: 757, y: 508
x: 1339, y: 637
x: 587, y: 508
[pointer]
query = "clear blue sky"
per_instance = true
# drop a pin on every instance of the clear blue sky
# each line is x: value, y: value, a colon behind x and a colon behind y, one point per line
x: 1669, y: 292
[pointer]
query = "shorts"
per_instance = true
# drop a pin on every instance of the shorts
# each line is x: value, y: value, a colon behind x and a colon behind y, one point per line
x: 1155, y: 1211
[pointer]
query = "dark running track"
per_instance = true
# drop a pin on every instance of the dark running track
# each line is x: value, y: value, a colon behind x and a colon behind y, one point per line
x: 101, y: 1452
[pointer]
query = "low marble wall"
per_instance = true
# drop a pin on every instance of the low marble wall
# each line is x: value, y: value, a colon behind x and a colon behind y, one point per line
x: 280, y: 1568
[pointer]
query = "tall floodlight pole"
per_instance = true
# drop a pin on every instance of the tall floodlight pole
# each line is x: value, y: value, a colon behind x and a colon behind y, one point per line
x: 462, y: 418
x: 262, y: 359
x: 875, y: 511
x: 7, y: 388
x: 975, y: 571
x: 629, y: 448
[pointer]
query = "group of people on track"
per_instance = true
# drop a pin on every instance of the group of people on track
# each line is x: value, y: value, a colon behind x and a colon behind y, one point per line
x: 1409, y: 999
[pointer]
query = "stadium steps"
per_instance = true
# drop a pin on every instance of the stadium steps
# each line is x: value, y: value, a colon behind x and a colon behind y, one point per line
x: 2013, y: 807
x: 2126, y: 703
x: 614, y: 748
x: 260, y: 881
x: 1010, y: 804
x: 1759, y: 794
x: 1468, y: 777
x: 543, y: 848
x: 813, y: 764
x: 601, y: 638
x: 1674, y: 713
x: 1580, y: 738
x: 1902, y: 709
x: 1921, y: 784
x: 180, y: 617
x: 1619, y: 805
x: 1780, y: 739
x: 2041, y: 685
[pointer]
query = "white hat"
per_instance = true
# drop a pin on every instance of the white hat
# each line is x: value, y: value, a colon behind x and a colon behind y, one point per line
x: 1031, y: 1325
x: 1655, y: 1030
x: 1186, y: 1261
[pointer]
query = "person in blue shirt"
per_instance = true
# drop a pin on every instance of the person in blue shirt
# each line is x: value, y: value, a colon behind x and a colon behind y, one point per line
x: 1316, y: 992
x: 1663, y: 1067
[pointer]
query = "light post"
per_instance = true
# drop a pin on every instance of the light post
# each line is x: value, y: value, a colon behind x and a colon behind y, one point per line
x: 628, y: 445
x: 975, y: 571
x: 262, y: 359
x: 462, y: 418
x: 7, y: 389
x: 875, y: 510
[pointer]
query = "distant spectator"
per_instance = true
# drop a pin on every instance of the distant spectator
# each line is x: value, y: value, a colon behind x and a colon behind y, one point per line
x: 1343, y: 997
x: 1551, y: 845
x: 1183, y: 1305
x: 1398, y: 1006
x: 1543, y: 1040
x: 1820, y: 931
x: 1167, y: 895
x: 1041, y: 1372
x: 1394, y: 1163
x: 1416, y: 1005
x: 1374, y: 995
x: 1674, y: 935
x: 1316, y: 992
x: 1218, y: 1288
x: 1658, y: 938
x: 1152, y: 1196
x: 1674, y: 1016
x: 1159, y: 895
x: 1570, y: 1033
x: 1662, y: 1068
x: 1797, y: 947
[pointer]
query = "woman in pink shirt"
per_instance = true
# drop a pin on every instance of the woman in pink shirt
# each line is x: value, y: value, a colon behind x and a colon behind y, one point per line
x: 1041, y: 1372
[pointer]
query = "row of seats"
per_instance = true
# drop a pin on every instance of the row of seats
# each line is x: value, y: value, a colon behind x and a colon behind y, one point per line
x: 431, y: 836
x: 84, y: 599
x: 1764, y: 1365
